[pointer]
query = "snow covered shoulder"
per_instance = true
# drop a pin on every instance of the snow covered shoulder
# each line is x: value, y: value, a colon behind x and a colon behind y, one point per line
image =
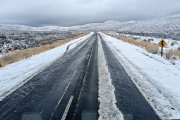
x: 156, y: 78
x: 17, y: 74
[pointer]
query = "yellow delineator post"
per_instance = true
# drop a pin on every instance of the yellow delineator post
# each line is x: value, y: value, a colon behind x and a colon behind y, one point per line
x: 162, y: 44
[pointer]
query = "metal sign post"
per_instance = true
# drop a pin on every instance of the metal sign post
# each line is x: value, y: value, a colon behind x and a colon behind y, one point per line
x: 161, y: 51
x: 162, y: 44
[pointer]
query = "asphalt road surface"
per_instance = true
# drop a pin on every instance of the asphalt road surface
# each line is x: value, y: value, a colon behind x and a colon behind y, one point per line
x: 129, y: 99
x: 68, y: 89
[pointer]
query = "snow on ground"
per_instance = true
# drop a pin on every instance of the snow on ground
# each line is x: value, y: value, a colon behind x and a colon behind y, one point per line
x: 156, y: 78
x: 157, y: 40
x: 166, y: 25
x: 17, y: 74
x: 107, y: 107
x: 171, y: 45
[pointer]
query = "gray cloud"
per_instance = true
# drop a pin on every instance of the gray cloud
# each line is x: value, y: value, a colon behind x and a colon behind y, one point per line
x: 72, y: 12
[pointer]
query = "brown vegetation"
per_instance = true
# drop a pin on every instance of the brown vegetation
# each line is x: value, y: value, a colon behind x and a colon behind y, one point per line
x: 150, y: 47
x: 21, y: 54
x: 172, y: 54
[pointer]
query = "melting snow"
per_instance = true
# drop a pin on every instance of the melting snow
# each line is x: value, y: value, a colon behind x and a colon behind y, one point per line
x: 156, y: 78
x: 107, y: 107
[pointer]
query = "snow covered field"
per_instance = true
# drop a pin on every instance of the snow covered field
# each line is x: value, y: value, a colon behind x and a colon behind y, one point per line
x: 169, y: 42
x: 156, y: 78
x: 171, y: 45
x: 17, y: 74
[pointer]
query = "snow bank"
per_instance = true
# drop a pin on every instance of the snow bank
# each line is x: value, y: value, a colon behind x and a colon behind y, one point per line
x: 157, y: 79
x: 17, y: 74
x: 107, y: 108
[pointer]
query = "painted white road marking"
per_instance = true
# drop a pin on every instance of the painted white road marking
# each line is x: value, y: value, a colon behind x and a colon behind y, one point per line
x: 60, y: 100
x: 67, y: 108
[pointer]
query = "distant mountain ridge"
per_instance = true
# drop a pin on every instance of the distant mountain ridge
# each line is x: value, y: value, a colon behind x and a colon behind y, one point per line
x: 165, y: 25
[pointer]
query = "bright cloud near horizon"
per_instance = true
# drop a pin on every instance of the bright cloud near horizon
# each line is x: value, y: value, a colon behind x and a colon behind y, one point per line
x: 75, y: 12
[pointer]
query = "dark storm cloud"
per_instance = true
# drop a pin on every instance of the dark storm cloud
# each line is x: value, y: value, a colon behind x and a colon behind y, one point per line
x: 72, y: 12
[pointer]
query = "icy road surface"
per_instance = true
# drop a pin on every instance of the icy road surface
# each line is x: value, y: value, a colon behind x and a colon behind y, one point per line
x: 156, y: 78
x: 94, y: 79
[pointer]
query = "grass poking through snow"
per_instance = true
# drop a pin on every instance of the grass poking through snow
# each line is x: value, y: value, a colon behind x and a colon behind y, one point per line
x: 150, y: 47
x: 22, y: 54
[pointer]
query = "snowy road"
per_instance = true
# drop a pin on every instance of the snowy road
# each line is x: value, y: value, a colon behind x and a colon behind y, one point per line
x: 48, y: 93
x: 129, y: 99
x: 73, y: 88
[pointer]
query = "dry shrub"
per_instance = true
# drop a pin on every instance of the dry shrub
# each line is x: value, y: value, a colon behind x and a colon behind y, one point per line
x: 174, y: 43
x: 22, y: 54
x: 176, y: 52
x: 1, y: 65
x: 172, y: 54
x: 178, y: 48
x: 168, y: 55
x: 152, y: 49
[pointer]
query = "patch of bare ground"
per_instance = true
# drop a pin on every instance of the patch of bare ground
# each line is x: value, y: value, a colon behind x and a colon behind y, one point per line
x: 18, y: 55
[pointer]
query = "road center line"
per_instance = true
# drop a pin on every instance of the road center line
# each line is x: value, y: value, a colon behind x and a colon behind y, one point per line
x: 67, y: 108
x: 60, y: 100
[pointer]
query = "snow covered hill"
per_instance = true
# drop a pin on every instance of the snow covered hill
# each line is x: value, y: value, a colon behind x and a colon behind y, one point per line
x: 166, y: 26
x: 92, y: 26
x: 29, y: 28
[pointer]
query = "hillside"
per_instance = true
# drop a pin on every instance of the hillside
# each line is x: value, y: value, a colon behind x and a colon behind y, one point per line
x: 166, y: 27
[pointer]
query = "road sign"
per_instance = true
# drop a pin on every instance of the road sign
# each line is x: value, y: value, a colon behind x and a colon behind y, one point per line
x: 162, y: 43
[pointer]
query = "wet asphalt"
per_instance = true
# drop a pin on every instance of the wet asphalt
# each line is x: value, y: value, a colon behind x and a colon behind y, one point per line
x: 129, y: 100
x: 75, y: 75
x: 47, y: 94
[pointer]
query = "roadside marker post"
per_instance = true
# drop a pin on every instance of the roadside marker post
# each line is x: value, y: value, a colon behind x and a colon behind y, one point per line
x: 162, y: 44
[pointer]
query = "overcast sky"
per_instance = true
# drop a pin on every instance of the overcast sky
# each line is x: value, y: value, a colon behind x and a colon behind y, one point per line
x: 73, y: 12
